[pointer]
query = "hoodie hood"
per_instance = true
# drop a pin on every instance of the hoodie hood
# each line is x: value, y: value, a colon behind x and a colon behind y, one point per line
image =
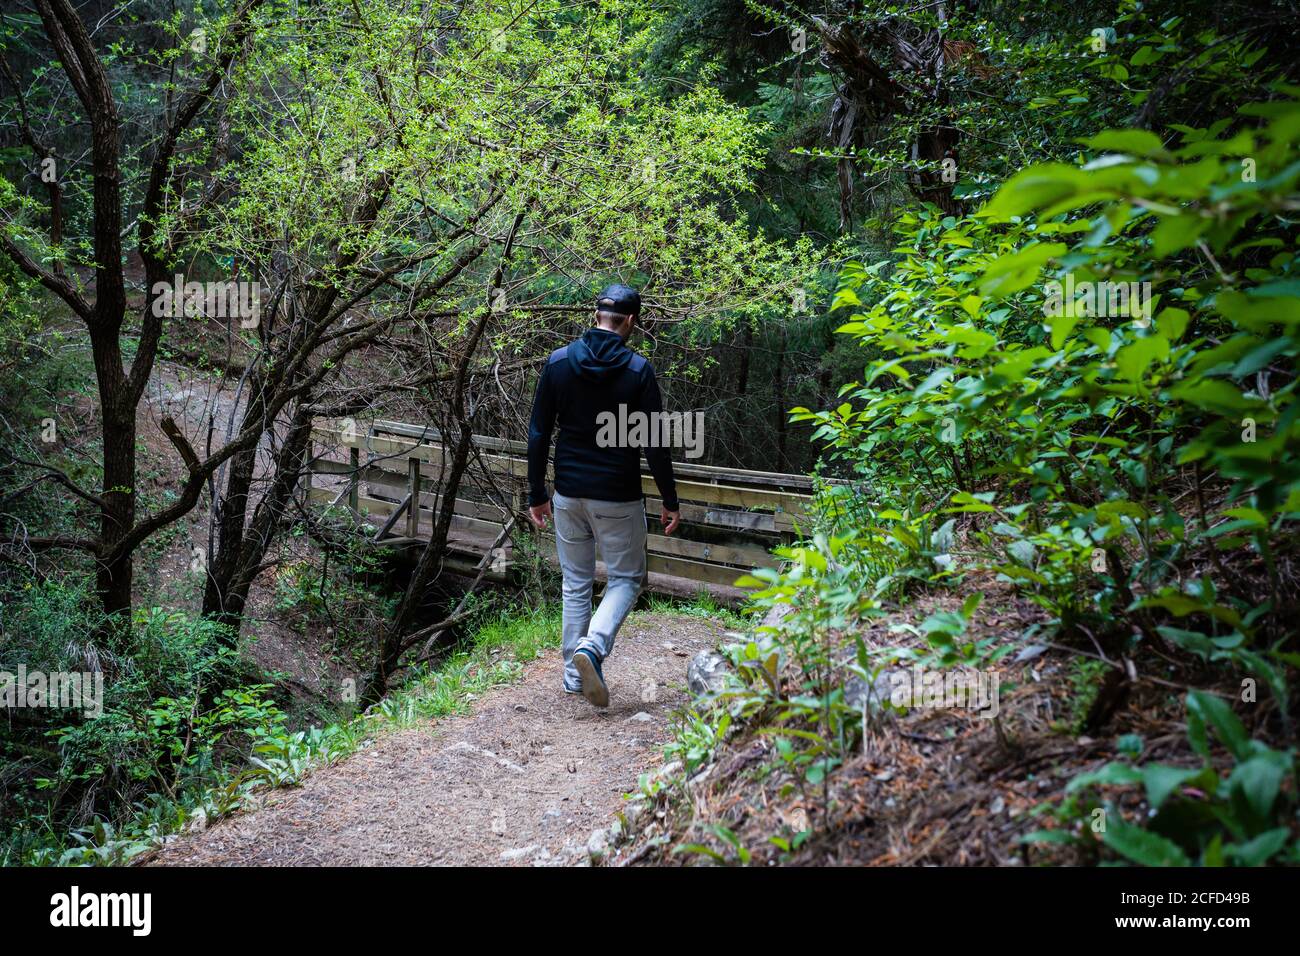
x: 598, y: 354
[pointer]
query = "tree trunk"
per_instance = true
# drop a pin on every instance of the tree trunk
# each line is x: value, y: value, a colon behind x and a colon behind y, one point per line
x: 877, y: 89
x: 426, y: 568
x: 746, y: 346
x: 113, y: 579
x: 240, y: 555
x: 232, y: 512
x: 781, y: 460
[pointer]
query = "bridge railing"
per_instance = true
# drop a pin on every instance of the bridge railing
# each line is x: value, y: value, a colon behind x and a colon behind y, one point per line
x: 730, y: 518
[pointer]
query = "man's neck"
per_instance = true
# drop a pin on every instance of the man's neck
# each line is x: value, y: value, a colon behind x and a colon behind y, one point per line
x: 605, y: 328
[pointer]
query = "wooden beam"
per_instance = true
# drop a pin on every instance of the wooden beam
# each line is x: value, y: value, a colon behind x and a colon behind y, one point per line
x: 778, y: 502
x: 379, y: 508
x: 755, y: 505
x: 711, y: 553
x: 354, y: 484
x: 695, y: 570
x: 774, y: 479
x: 748, y: 521
x: 465, y: 553
x: 413, y: 495
x: 392, y: 518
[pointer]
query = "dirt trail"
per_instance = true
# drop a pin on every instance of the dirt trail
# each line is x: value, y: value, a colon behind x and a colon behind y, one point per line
x: 523, y: 780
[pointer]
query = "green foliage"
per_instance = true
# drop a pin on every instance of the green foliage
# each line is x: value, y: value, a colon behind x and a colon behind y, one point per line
x: 1085, y: 684
x: 696, y: 737
x: 337, y: 595
x: 1087, y: 388
x: 1071, y: 438
x: 793, y: 671
x: 1086, y: 425
x: 276, y: 757
x: 1129, y: 467
x: 175, y: 703
x: 514, y: 114
x: 703, y: 606
x: 189, y: 738
x: 740, y: 855
x: 1195, y: 815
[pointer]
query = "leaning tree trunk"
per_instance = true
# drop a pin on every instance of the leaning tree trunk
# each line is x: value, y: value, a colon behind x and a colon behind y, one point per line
x: 232, y: 514
x: 241, y: 549
x: 117, y: 392
x: 397, y: 638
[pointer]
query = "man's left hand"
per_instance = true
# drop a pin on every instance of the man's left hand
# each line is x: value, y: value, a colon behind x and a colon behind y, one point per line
x: 538, y: 514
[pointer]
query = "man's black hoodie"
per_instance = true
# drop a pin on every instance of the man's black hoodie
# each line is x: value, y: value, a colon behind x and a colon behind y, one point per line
x: 595, y: 374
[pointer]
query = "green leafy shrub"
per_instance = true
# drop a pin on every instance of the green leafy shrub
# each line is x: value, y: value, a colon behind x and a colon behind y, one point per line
x: 1197, y: 814
x: 1111, y: 466
x: 1066, y: 438
x: 176, y: 703
x: 337, y: 597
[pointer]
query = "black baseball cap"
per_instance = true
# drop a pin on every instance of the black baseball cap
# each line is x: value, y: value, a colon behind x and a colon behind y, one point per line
x: 619, y: 299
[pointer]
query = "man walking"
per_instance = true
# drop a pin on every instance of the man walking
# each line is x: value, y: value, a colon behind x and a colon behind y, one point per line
x: 597, y: 497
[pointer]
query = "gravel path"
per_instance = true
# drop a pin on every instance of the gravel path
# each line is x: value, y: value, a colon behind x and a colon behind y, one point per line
x: 523, y: 780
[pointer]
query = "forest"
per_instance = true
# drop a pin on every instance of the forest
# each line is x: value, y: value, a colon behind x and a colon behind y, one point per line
x: 988, y: 312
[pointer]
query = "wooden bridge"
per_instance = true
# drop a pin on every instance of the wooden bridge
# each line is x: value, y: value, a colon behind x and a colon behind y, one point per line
x: 389, y: 473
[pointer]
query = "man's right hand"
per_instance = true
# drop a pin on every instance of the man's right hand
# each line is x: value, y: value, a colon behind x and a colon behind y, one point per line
x: 538, y: 514
x: 670, y: 520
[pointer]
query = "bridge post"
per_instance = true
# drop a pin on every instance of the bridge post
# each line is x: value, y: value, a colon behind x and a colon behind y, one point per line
x: 307, y: 481
x: 413, y: 513
x: 354, y: 486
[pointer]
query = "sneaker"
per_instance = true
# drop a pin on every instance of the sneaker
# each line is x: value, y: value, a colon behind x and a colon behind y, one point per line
x: 593, y: 681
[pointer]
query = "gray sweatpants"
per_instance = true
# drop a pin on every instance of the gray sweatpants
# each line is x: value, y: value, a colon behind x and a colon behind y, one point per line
x: 618, y: 528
